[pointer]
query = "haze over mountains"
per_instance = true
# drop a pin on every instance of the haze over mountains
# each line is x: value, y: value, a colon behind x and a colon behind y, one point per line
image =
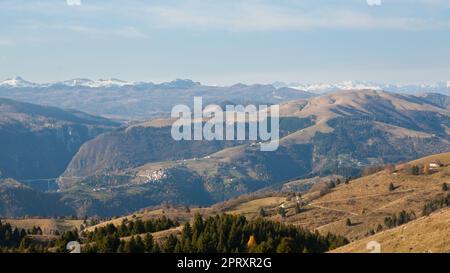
x: 106, y: 168
x: 39, y: 141
x: 139, y: 101
x: 442, y: 87
x: 125, y: 100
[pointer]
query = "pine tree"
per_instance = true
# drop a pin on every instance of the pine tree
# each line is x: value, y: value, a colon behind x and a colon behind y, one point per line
x: 379, y: 228
x: 139, y: 227
x: 25, y: 244
x: 186, y: 239
x: 130, y: 246
x: 444, y: 187
x: 262, y: 212
x: 348, y: 222
x: 156, y: 249
x: 197, y: 226
x: 391, y: 187
x: 122, y: 247
x: 140, y: 246
x: 148, y: 243
x: 169, y: 245
x: 282, y: 212
x: 331, y: 185
x: 286, y: 245
x: 298, y: 208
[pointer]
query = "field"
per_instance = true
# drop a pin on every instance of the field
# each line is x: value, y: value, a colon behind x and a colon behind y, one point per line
x: 427, y: 234
x: 47, y: 225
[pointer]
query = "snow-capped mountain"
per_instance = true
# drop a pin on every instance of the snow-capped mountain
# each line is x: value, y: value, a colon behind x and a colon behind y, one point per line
x: 17, y: 82
x: 93, y: 83
x: 319, y: 88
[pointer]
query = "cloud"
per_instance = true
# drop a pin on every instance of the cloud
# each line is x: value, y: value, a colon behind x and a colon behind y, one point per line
x: 374, y: 2
x: 123, y: 32
x: 73, y: 2
x: 243, y: 15
x: 261, y: 16
x: 6, y: 42
x: 130, y: 32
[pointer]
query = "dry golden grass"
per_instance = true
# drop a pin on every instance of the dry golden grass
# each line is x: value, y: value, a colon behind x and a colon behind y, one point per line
x: 176, y: 214
x: 159, y: 236
x: 367, y: 201
x: 426, y: 234
x: 47, y: 225
x: 251, y: 209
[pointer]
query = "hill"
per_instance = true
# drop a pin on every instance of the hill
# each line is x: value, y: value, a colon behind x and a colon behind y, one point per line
x: 337, y: 134
x: 38, y: 142
x: 408, y: 216
x: 366, y: 201
x: 369, y: 200
x: 425, y: 235
x: 18, y: 200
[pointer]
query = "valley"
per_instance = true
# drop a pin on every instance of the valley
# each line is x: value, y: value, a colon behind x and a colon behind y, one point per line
x: 343, y: 168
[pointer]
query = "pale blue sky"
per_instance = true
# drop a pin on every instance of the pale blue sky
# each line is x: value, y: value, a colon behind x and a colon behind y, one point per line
x: 228, y: 41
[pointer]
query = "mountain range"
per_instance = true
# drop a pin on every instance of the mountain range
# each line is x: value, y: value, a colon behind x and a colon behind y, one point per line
x: 338, y: 133
x: 108, y: 168
x: 140, y: 101
x: 124, y: 100
x: 439, y: 87
x: 442, y: 87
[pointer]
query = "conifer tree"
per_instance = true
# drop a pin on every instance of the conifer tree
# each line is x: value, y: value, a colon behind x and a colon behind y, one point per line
x: 148, y: 243
x: 348, y: 222
x: 262, y: 212
x: 391, y: 187
x: 282, y: 212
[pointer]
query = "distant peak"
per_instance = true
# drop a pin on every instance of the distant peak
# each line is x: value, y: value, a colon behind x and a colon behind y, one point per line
x: 239, y: 85
x: 93, y: 83
x: 17, y: 81
x: 180, y: 83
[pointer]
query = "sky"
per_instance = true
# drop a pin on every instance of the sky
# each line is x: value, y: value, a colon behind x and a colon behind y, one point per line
x: 226, y: 41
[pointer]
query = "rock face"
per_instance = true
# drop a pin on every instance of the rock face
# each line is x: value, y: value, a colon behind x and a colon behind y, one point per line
x: 38, y: 142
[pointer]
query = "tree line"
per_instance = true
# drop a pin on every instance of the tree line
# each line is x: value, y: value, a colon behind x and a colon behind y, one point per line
x: 107, y: 239
x: 216, y: 234
x: 436, y: 204
x: 235, y: 234
x: 399, y: 219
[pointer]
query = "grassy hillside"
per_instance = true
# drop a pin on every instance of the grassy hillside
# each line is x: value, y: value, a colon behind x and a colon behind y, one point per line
x: 367, y: 201
x: 333, y: 134
x: 355, y: 209
x: 426, y: 234
x: 48, y: 226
